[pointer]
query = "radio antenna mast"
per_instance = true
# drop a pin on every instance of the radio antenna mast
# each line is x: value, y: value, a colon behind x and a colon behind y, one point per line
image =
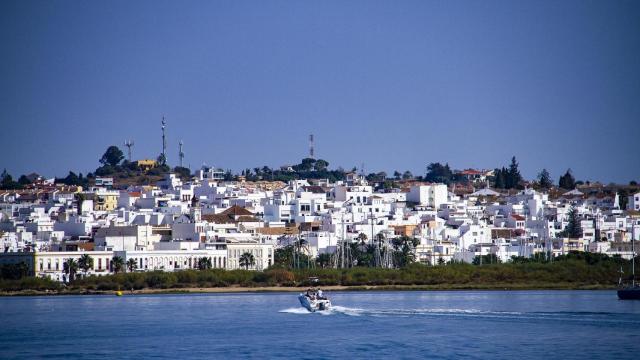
x: 180, y: 153
x: 129, y: 144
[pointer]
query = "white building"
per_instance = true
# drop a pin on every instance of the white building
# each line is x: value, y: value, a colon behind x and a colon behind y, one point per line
x: 428, y: 195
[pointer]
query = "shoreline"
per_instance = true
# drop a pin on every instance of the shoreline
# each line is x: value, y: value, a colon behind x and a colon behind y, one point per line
x: 292, y: 289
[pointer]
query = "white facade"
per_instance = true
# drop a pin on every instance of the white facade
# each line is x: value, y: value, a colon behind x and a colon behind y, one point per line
x: 428, y: 195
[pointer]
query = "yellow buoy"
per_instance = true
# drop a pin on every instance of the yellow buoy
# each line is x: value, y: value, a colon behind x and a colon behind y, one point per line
x: 118, y: 293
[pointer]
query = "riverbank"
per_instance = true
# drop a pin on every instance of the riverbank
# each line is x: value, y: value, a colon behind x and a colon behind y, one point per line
x: 574, y: 272
x: 297, y: 289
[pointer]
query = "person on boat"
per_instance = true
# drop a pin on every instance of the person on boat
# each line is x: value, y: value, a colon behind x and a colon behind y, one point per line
x: 311, y: 294
x: 320, y: 296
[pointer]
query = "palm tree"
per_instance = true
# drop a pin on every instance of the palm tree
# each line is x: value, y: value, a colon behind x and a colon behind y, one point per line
x: 132, y: 264
x: 204, y: 263
x: 247, y: 260
x: 70, y: 268
x: 85, y: 262
x: 298, y: 255
x: 117, y: 264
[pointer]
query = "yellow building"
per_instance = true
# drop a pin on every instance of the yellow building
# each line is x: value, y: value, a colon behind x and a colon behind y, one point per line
x: 105, y: 200
x: 146, y: 164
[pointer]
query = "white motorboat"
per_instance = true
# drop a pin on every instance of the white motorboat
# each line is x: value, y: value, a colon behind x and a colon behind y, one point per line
x: 314, y: 301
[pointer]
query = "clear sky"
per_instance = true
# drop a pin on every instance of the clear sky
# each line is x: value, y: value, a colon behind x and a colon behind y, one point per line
x: 391, y: 84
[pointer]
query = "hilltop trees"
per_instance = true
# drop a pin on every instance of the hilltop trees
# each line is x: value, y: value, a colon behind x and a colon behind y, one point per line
x: 567, y: 181
x: 508, y: 178
x: 544, y: 179
x: 7, y: 182
x: 182, y: 172
x: 24, y: 180
x: 308, y: 168
x: 112, y: 156
x: 320, y: 165
x: 439, y: 173
x: 162, y: 159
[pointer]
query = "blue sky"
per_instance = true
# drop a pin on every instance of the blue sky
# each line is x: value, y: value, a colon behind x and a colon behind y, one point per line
x: 391, y: 84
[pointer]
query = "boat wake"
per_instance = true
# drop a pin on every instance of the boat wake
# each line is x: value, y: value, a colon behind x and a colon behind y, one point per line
x: 465, y: 313
x: 342, y: 310
x: 295, y: 310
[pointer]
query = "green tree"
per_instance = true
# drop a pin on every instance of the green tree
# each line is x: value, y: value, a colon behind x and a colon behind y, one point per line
x: 514, y: 178
x: 544, y: 179
x: 573, y: 230
x: 439, y: 173
x: 162, y: 159
x: 112, y: 156
x: 486, y: 259
x: 407, y: 175
x: 567, y: 181
x: 14, y: 271
x: 70, y: 267
x: 324, y: 260
x: 85, y: 263
x: 23, y: 180
x: 284, y: 256
x: 321, y: 165
x: 117, y: 264
x: 246, y: 260
x: 7, y: 183
x: 132, y: 264
x: 307, y: 164
x: 182, y: 172
x: 397, y: 175
x: 404, y: 250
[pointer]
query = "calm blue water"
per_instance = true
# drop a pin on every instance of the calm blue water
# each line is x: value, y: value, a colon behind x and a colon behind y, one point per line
x: 443, y: 324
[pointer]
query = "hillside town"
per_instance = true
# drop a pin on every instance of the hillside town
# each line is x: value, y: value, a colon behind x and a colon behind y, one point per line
x: 203, y: 220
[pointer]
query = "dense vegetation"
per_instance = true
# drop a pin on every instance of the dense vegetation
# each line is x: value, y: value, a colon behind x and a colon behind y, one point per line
x: 576, y: 270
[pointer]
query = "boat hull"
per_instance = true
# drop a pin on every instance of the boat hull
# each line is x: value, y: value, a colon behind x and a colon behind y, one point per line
x: 629, y: 294
x: 314, y: 305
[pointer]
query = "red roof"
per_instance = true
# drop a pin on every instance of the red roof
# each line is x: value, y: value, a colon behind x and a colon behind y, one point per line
x: 471, y: 172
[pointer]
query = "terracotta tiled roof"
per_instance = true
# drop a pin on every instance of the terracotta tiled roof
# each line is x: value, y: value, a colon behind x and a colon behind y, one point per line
x: 236, y: 210
x: 471, y: 172
x: 246, y: 218
x: 278, y: 230
x: 218, y: 219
